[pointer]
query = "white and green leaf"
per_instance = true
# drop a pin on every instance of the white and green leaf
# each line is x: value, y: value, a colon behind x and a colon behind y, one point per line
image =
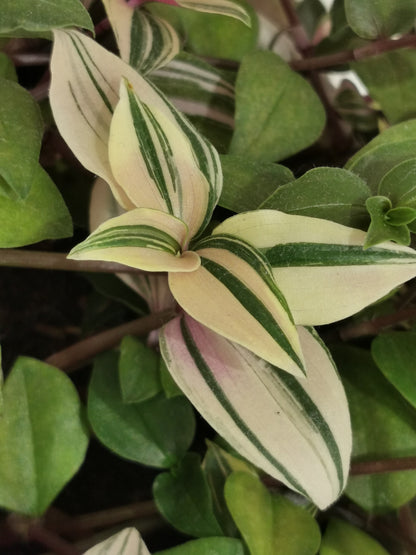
x: 296, y: 430
x: 320, y: 266
x: 141, y: 238
x: 197, y: 89
x: 126, y: 542
x: 231, y: 8
x: 83, y: 99
x: 233, y: 292
x: 154, y: 163
x: 145, y: 41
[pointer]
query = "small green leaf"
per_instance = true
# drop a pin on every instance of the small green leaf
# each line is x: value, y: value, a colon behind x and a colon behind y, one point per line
x: 7, y: 69
x: 169, y: 385
x: 395, y: 355
x: 341, y: 538
x: 248, y: 183
x: 111, y: 287
x: 42, y: 436
x: 21, y: 18
x: 41, y: 215
x: 269, y: 523
x: 156, y: 432
x: 402, y: 215
x: 399, y: 184
x: 328, y: 193
x: 381, y: 229
x: 311, y: 13
x: 184, y: 499
x: 277, y: 112
x: 138, y: 369
x: 207, y: 546
x: 21, y: 129
x: 380, y: 18
x: 384, y: 427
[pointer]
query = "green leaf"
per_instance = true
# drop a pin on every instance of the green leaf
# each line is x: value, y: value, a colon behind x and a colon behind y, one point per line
x: 399, y: 184
x: 111, y: 287
x: 42, y: 436
x: 7, y: 69
x: 207, y: 546
x: 218, y: 465
x: 156, y: 432
x: 184, y: 499
x: 384, y: 427
x: 391, y: 81
x: 138, y: 369
x: 126, y: 542
x: 395, y: 355
x: 342, y: 538
x: 328, y: 193
x: 41, y: 215
x: 381, y: 229
x: 20, y: 18
x: 401, y: 215
x: 380, y: 18
x: 231, y: 8
x: 21, y: 130
x: 248, y: 183
x: 269, y: 523
x: 311, y: 13
x: 277, y: 112
x: 169, y: 385
x: 1, y: 387
x: 218, y: 36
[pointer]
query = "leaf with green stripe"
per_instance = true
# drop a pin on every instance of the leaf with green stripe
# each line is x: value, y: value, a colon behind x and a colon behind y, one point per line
x: 83, y: 98
x: 126, y: 542
x: 320, y: 266
x: 146, y: 148
x: 145, y: 41
x: 231, y: 8
x: 197, y: 89
x: 233, y: 292
x: 141, y: 238
x: 296, y: 430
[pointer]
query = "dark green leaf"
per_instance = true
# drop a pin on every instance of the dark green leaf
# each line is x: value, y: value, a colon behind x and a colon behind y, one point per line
x: 391, y: 80
x: 184, y: 499
x: 248, y: 183
x: 399, y: 184
x: 384, y: 427
x: 395, y: 355
x: 111, y: 287
x: 42, y: 436
x: 156, y: 432
x: 41, y: 215
x: 381, y: 229
x: 20, y: 139
x: 7, y: 69
x: 328, y: 193
x: 138, y: 369
x: 380, y: 18
x: 26, y: 18
x: 277, y: 111
x: 1, y: 387
x: 311, y: 13
x: 401, y: 215
x: 269, y: 523
x: 207, y: 546
x: 169, y: 385
x: 341, y: 538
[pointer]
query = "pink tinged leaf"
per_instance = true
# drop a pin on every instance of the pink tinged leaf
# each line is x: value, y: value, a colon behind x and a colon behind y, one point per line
x: 298, y: 431
x: 142, y: 238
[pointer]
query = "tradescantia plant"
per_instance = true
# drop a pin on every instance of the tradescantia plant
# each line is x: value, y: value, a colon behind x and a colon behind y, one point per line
x: 243, y: 290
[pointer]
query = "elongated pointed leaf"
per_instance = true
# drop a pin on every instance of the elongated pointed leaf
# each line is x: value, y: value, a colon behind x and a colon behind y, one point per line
x: 83, y: 98
x: 298, y: 431
x: 141, y: 238
x: 231, y: 8
x: 233, y: 293
x: 146, y: 148
x: 320, y: 266
x: 126, y: 542
x: 145, y: 41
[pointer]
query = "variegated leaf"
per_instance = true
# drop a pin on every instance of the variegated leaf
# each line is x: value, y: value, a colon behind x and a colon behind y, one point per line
x: 321, y: 266
x: 141, y: 238
x: 233, y: 293
x: 197, y: 89
x: 126, y: 542
x: 154, y: 163
x: 231, y: 8
x: 145, y: 41
x: 298, y: 431
x: 83, y: 98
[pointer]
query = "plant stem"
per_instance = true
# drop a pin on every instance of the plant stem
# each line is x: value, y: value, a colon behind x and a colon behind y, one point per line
x: 52, y: 541
x: 373, y: 327
x: 40, y: 260
x: 355, y: 55
x: 82, y: 352
x: 384, y: 465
